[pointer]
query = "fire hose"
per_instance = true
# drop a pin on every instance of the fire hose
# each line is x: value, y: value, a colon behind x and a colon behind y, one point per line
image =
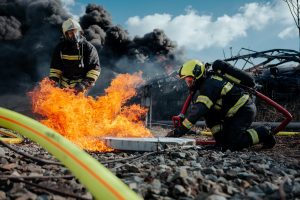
x: 11, y: 138
x: 288, y: 117
x: 97, y: 179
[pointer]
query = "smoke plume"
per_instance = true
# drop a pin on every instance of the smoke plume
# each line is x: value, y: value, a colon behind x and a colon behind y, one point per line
x: 30, y: 29
x: 28, y: 33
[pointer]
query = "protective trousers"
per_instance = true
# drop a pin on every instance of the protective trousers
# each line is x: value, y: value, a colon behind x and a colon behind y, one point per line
x: 234, y: 133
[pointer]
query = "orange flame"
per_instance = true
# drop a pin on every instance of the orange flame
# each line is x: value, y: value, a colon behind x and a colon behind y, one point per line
x: 85, y: 120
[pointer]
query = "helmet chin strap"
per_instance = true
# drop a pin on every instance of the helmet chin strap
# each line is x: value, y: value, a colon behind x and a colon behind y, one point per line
x: 196, y: 83
x: 74, y: 41
x: 77, y: 37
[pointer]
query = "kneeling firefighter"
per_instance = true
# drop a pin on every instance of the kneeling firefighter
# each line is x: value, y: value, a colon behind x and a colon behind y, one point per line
x: 228, y: 110
x: 75, y: 61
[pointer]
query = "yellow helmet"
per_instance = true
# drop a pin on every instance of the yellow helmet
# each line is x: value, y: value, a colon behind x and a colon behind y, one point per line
x: 70, y: 24
x: 193, y: 68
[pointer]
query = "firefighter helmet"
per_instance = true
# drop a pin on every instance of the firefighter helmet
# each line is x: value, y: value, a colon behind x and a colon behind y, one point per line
x: 72, y: 31
x: 70, y: 24
x: 192, y: 68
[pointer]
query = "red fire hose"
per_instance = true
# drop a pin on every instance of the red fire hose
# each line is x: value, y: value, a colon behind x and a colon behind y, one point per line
x: 288, y: 117
x: 177, y: 119
x: 279, y: 108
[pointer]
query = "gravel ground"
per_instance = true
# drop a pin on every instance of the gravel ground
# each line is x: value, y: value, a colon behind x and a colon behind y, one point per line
x: 189, y: 172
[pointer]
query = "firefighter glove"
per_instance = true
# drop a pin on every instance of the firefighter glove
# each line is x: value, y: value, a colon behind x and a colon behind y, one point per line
x: 54, y: 81
x: 56, y: 84
x: 178, y: 132
x: 79, y: 87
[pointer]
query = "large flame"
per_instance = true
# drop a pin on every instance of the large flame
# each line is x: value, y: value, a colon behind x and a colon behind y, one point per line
x: 84, y: 120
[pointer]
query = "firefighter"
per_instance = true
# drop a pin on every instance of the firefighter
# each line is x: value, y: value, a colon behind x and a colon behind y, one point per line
x: 228, y: 110
x: 75, y: 61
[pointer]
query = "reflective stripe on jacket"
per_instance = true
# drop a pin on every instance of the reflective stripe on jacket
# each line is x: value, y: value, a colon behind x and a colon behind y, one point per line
x: 219, y: 95
x: 74, y: 64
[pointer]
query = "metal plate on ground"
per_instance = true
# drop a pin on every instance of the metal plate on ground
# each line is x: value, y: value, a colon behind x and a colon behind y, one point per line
x: 145, y: 144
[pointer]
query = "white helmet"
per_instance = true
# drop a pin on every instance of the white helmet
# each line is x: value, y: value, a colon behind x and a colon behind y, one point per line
x: 70, y: 24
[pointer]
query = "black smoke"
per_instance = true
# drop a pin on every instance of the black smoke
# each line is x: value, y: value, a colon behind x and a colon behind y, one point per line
x: 28, y: 33
x: 29, y: 30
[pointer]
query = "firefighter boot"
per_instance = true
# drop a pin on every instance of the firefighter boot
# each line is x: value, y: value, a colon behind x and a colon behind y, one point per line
x: 266, y: 137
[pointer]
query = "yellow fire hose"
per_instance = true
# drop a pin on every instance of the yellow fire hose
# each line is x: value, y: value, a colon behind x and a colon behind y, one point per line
x: 281, y: 133
x: 13, y: 138
x: 98, y: 180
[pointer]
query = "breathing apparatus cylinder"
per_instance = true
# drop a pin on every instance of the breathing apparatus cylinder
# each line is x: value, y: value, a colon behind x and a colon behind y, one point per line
x: 233, y: 74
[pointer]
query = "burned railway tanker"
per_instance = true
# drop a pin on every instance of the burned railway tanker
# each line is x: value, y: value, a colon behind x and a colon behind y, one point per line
x: 276, y: 72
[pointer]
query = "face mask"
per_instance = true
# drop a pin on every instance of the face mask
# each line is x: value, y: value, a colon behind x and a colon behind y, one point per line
x: 73, y: 37
x: 189, y: 81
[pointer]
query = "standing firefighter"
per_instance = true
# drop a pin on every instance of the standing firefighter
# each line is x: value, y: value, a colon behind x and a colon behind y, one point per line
x: 228, y: 110
x: 75, y: 62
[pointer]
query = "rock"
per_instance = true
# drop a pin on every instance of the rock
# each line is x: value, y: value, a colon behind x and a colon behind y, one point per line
x: 2, y: 152
x: 191, y: 156
x: 211, y: 177
x: 132, y: 168
x: 292, y: 172
x: 15, y: 173
x: 220, y: 172
x: 180, y: 173
x: 156, y: 186
x: 208, y: 186
x: 222, y: 180
x: 35, y: 174
x: 57, y: 197
x: 247, y: 176
x: 209, y: 170
x: 244, y: 156
x: 132, y: 186
x: 231, y: 173
x: 3, y: 161
x: 9, y: 166
x: 27, y: 195
x: 164, y: 191
x: 2, y: 196
x: 277, y: 170
x: 260, y: 168
x: 164, y: 168
x: 170, y: 163
x: 87, y: 195
x: 215, y: 197
x: 178, y: 154
x: 245, y: 184
x: 202, y: 195
x: 42, y: 197
x: 296, y: 189
x: 35, y: 168
x: 255, y: 192
x: 288, y: 185
x: 137, y: 179
x: 19, y: 192
x: 178, y: 190
x: 161, y: 160
x: 268, y: 187
x: 231, y: 190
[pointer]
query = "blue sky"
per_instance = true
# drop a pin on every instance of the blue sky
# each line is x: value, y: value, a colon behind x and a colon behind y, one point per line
x: 205, y: 29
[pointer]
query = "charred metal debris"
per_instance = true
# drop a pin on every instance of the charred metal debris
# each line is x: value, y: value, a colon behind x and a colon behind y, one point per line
x: 276, y: 72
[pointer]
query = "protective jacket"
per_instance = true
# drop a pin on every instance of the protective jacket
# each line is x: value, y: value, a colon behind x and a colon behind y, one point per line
x: 75, y: 64
x: 228, y: 111
x: 219, y: 96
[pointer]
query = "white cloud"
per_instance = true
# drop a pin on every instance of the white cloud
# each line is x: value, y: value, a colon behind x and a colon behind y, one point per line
x: 194, y: 31
x: 288, y: 32
x: 68, y: 5
x: 68, y: 2
x: 150, y: 22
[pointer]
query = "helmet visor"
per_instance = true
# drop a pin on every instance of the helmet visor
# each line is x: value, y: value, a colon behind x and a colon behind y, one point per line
x: 73, y: 35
